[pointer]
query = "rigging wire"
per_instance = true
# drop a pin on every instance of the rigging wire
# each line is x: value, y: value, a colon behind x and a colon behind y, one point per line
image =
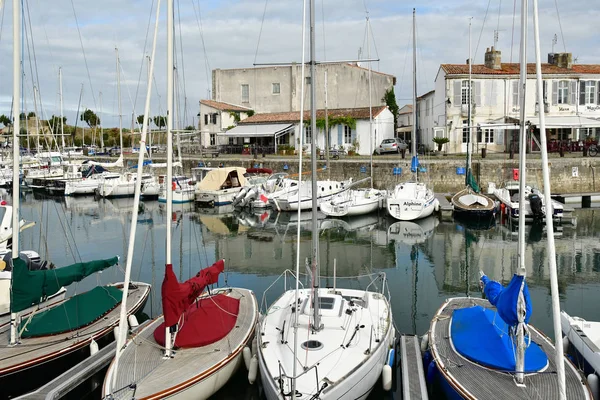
x: 199, y: 23
x: 262, y: 23
x: 481, y: 32
x: 182, y: 66
x: 83, y: 51
x: 562, y: 35
x: 512, y: 37
x: 137, y: 88
x: 2, y: 19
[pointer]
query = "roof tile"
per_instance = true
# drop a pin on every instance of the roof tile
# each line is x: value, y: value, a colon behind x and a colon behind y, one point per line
x: 514, y: 69
x: 219, y: 105
x: 294, y: 116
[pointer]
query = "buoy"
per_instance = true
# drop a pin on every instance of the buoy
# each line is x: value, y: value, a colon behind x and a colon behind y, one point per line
x: 93, y: 347
x: 254, y: 345
x: 247, y: 354
x: 594, y: 383
x: 253, y: 370
x: 436, y: 207
x: 174, y: 186
x: 424, y: 342
x: 566, y: 344
x: 386, y: 378
x: 133, y: 322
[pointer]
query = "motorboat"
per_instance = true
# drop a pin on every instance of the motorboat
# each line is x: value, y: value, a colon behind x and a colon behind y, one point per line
x: 220, y: 186
x: 325, y: 190
x: 353, y: 202
x: 534, y: 203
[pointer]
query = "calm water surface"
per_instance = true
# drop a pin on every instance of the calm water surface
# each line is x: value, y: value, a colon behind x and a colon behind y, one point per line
x: 425, y: 262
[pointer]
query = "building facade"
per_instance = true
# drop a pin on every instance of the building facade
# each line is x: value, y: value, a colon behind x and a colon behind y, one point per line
x: 278, y: 89
x: 217, y: 117
x: 349, y: 129
x: 571, y: 104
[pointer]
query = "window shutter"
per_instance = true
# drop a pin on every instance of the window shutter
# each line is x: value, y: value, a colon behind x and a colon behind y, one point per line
x: 477, y: 93
x: 340, y: 135
x: 493, y: 93
x: 554, y: 92
x: 457, y: 94
x: 598, y: 93
x: 573, y: 93
x: 515, y: 93
x: 353, y: 135
x: 582, y: 93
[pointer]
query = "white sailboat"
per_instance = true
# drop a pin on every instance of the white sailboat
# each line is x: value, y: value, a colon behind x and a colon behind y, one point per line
x: 325, y: 343
x: 352, y: 202
x: 485, y: 349
x: 412, y: 200
x: 193, y: 349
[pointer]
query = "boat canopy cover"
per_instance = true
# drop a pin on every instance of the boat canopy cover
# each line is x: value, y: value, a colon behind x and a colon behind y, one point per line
x: 208, y: 320
x: 505, y: 298
x: 177, y: 297
x: 77, y: 312
x: 414, y: 164
x: 216, y: 178
x: 32, y: 287
x: 479, y: 335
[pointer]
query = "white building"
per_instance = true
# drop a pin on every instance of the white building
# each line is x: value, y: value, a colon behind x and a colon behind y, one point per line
x: 349, y: 128
x: 405, y: 117
x: 278, y: 89
x: 571, y: 97
x: 215, y: 118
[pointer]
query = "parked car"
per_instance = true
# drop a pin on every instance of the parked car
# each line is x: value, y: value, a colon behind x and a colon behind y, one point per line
x: 391, y: 146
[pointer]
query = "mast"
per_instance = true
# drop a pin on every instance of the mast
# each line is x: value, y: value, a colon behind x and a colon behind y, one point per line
x: 558, y: 342
x: 313, y: 152
x: 37, y: 120
x: 170, y: 66
x: 62, y: 125
x: 136, y: 202
x: 469, y: 89
x: 520, y: 356
x: 414, y: 122
x: 16, y: 146
x: 327, y: 130
x: 101, y: 129
x: 119, y: 101
x: 370, y: 105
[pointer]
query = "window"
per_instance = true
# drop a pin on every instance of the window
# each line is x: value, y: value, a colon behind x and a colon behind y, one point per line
x: 276, y: 88
x: 245, y: 93
x: 515, y: 93
x: 347, y: 135
x: 307, y: 135
x: 590, y: 92
x: 563, y: 92
x: 488, y: 135
x: 214, y: 118
x: 465, y: 92
x: 205, y: 119
x: 465, y: 131
x: 213, y: 139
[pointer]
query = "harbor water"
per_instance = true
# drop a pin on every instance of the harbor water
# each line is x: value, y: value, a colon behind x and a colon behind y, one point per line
x: 425, y: 261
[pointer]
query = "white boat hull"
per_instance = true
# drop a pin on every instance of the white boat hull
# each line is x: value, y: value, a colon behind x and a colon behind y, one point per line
x: 584, y: 336
x: 217, y: 197
x: 358, y: 202
x: 85, y: 186
x: 410, y: 201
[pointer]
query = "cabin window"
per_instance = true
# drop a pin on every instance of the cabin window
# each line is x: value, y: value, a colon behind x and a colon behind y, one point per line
x: 245, y: 93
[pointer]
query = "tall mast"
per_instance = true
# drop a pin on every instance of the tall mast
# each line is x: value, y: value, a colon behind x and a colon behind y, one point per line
x: 469, y: 90
x: 370, y: 92
x: 170, y: 65
x: 414, y: 123
x: 313, y: 152
x: 101, y: 128
x: 16, y: 146
x: 37, y: 120
x: 327, y: 129
x: 119, y: 100
x: 62, y: 125
x: 558, y: 342
x: 520, y: 358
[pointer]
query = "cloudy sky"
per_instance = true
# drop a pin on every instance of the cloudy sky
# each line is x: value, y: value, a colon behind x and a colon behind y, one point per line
x: 225, y: 34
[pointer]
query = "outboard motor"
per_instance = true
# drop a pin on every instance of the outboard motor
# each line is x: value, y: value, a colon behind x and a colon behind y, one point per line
x: 32, y: 264
x: 239, y: 197
x: 537, y: 208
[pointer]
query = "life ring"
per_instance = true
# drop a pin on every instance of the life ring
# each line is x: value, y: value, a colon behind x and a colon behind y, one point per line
x: 173, y: 186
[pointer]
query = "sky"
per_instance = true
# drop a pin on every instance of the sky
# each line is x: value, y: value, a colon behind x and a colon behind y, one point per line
x: 80, y: 37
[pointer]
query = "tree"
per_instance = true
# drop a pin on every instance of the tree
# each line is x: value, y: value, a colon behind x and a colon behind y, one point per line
x: 389, y: 98
x: 31, y: 114
x: 4, y: 120
x: 90, y: 118
x: 140, y: 119
x: 55, y: 123
x: 190, y: 128
x: 21, y: 116
x: 160, y: 121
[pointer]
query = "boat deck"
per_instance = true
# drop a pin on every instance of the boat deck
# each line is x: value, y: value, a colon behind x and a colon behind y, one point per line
x: 145, y: 373
x: 483, y: 383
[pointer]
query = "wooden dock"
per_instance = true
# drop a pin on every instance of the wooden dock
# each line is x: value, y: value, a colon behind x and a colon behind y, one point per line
x: 584, y: 200
x: 445, y: 206
x: 413, y: 377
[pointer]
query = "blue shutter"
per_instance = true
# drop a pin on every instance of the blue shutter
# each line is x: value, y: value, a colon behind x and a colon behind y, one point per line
x: 340, y: 135
x: 353, y: 135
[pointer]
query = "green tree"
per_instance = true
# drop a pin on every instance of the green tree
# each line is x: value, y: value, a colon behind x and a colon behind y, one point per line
x: 4, y: 120
x: 140, y: 119
x: 389, y: 98
x: 31, y: 114
x: 190, y: 128
x: 21, y: 116
x: 160, y: 121
x: 90, y: 118
x: 55, y: 123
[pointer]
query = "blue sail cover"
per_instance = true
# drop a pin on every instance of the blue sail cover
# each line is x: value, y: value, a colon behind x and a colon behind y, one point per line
x: 414, y: 164
x: 480, y: 336
x: 505, y: 298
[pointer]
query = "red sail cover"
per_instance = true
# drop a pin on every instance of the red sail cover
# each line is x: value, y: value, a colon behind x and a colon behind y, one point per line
x: 176, y: 297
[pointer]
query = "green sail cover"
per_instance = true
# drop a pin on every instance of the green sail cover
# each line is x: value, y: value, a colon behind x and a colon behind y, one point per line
x: 32, y: 287
x: 472, y: 182
x: 77, y: 312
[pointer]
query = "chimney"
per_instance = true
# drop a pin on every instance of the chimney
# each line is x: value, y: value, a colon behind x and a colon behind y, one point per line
x: 561, y: 60
x: 493, y: 58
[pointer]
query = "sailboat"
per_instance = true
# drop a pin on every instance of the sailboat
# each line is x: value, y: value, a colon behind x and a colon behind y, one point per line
x: 470, y: 202
x: 485, y: 348
x: 354, y: 202
x: 199, y: 342
x: 37, y: 347
x: 318, y: 342
x: 412, y: 200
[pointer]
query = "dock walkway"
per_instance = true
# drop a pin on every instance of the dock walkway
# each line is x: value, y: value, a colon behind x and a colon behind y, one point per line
x: 413, y: 376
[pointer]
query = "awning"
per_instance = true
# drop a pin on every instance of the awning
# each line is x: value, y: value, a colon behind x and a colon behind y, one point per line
x: 258, y: 130
x: 404, y: 129
x: 571, y: 121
